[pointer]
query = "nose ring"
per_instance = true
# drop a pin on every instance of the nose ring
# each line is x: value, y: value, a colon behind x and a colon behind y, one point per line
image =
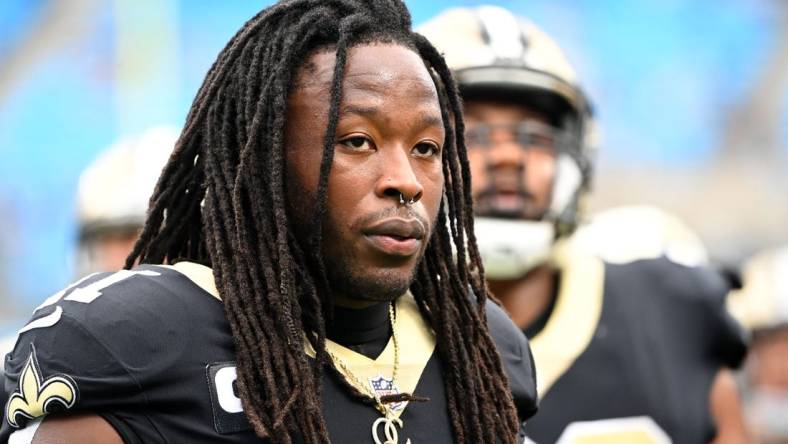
x: 402, y: 200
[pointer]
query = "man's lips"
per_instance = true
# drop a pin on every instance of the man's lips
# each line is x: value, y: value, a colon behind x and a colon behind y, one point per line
x: 504, y: 196
x: 396, y: 236
x: 393, y: 246
x: 506, y: 199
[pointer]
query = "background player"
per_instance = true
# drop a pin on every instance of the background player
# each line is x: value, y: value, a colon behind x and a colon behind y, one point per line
x: 622, y: 351
x: 112, y: 198
x: 762, y: 306
x: 113, y: 195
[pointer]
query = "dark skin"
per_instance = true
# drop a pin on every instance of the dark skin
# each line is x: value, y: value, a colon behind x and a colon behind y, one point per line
x: 508, y: 180
x: 85, y: 428
x: 528, y: 297
x: 389, y: 141
x: 767, y: 367
x: 497, y: 167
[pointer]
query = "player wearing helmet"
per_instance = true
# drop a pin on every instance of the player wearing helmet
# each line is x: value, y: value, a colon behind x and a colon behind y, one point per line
x: 113, y: 196
x: 762, y: 306
x: 624, y: 352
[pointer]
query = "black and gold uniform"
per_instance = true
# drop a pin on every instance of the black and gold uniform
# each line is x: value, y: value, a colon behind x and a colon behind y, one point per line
x: 150, y: 351
x: 628, y: 352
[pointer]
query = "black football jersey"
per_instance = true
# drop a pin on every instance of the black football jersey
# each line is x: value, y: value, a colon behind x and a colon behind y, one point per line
x: 150, y: 351
x: 630, y: 351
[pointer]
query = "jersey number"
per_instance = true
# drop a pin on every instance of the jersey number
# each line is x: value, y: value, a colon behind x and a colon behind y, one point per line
x: 84, y: 295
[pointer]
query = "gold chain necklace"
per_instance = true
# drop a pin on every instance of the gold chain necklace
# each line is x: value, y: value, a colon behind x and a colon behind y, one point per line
x: 389, y: 421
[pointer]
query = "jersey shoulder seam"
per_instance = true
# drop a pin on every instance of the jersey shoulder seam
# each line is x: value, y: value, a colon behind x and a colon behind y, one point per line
x: 109, y: 352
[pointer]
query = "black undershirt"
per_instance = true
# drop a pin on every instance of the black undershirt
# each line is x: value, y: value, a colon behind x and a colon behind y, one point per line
x: 365, y: 330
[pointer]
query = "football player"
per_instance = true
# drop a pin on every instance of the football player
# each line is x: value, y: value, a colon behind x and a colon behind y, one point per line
x: 111, y: 201
x: 113, y: 196
x: 628, y: 352
x: 762, y: 306
x: 299, y: 280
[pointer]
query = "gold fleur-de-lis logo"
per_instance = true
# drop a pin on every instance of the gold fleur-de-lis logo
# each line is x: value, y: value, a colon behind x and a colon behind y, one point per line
x: 37, y: 396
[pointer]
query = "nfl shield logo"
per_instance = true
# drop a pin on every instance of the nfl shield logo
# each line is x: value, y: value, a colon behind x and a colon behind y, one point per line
x: 383, y: 386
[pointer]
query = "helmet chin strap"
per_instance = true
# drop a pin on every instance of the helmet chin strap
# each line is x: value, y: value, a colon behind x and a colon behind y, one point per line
x: 511, y: 248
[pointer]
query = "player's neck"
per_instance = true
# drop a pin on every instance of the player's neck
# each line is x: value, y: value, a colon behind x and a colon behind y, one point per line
x: 527, y: 298
x: 352, y: 326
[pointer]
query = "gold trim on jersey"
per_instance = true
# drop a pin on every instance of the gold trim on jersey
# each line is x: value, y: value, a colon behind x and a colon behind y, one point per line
x: 201, y: 275
x: 574, y: 319
x: 416, y: 346
x: 631, y: 430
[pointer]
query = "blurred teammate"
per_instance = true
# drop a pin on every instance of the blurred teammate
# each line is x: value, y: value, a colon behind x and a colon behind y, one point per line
x: 762, y: 305
x: 625, y: 353
x: 297, y: 281
x: 113, y: 197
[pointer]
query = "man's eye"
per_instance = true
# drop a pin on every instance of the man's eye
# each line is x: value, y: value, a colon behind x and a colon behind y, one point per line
x: 357, y: 143
x: 426, y: 150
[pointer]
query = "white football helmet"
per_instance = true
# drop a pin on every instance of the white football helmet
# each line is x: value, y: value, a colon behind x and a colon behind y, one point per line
x: 762, y: 303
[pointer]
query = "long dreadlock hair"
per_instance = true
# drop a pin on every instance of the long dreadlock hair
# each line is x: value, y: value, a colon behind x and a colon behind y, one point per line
x: 221, y: 201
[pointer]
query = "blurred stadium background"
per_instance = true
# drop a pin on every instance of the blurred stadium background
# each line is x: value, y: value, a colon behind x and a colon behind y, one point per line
x: 691, y: 98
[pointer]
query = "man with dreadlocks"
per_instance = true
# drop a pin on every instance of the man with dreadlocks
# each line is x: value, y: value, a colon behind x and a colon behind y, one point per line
x: 309, y: 270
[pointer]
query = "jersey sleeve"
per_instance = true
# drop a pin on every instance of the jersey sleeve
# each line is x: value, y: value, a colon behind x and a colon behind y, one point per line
x: 61, y: 367
x: 517, y: 360
x: 704, y: 290
x: 106, y: 345
x: 729, y: 342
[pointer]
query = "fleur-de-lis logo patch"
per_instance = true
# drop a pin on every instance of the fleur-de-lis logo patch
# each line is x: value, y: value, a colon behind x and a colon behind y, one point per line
x: 37, y: 396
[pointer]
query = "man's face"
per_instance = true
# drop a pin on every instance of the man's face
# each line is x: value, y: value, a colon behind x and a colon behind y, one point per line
x: 769, y: 358
x: 107, y: 251
x: 389, y: 143
x: 511, y: 149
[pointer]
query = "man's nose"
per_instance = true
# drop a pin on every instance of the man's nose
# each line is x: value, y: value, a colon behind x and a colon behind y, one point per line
x: 504, y: 150
x: 398, y: 177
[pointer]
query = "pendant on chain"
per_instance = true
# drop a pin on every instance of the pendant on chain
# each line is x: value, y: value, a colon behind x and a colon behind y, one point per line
x: 390, y: 424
